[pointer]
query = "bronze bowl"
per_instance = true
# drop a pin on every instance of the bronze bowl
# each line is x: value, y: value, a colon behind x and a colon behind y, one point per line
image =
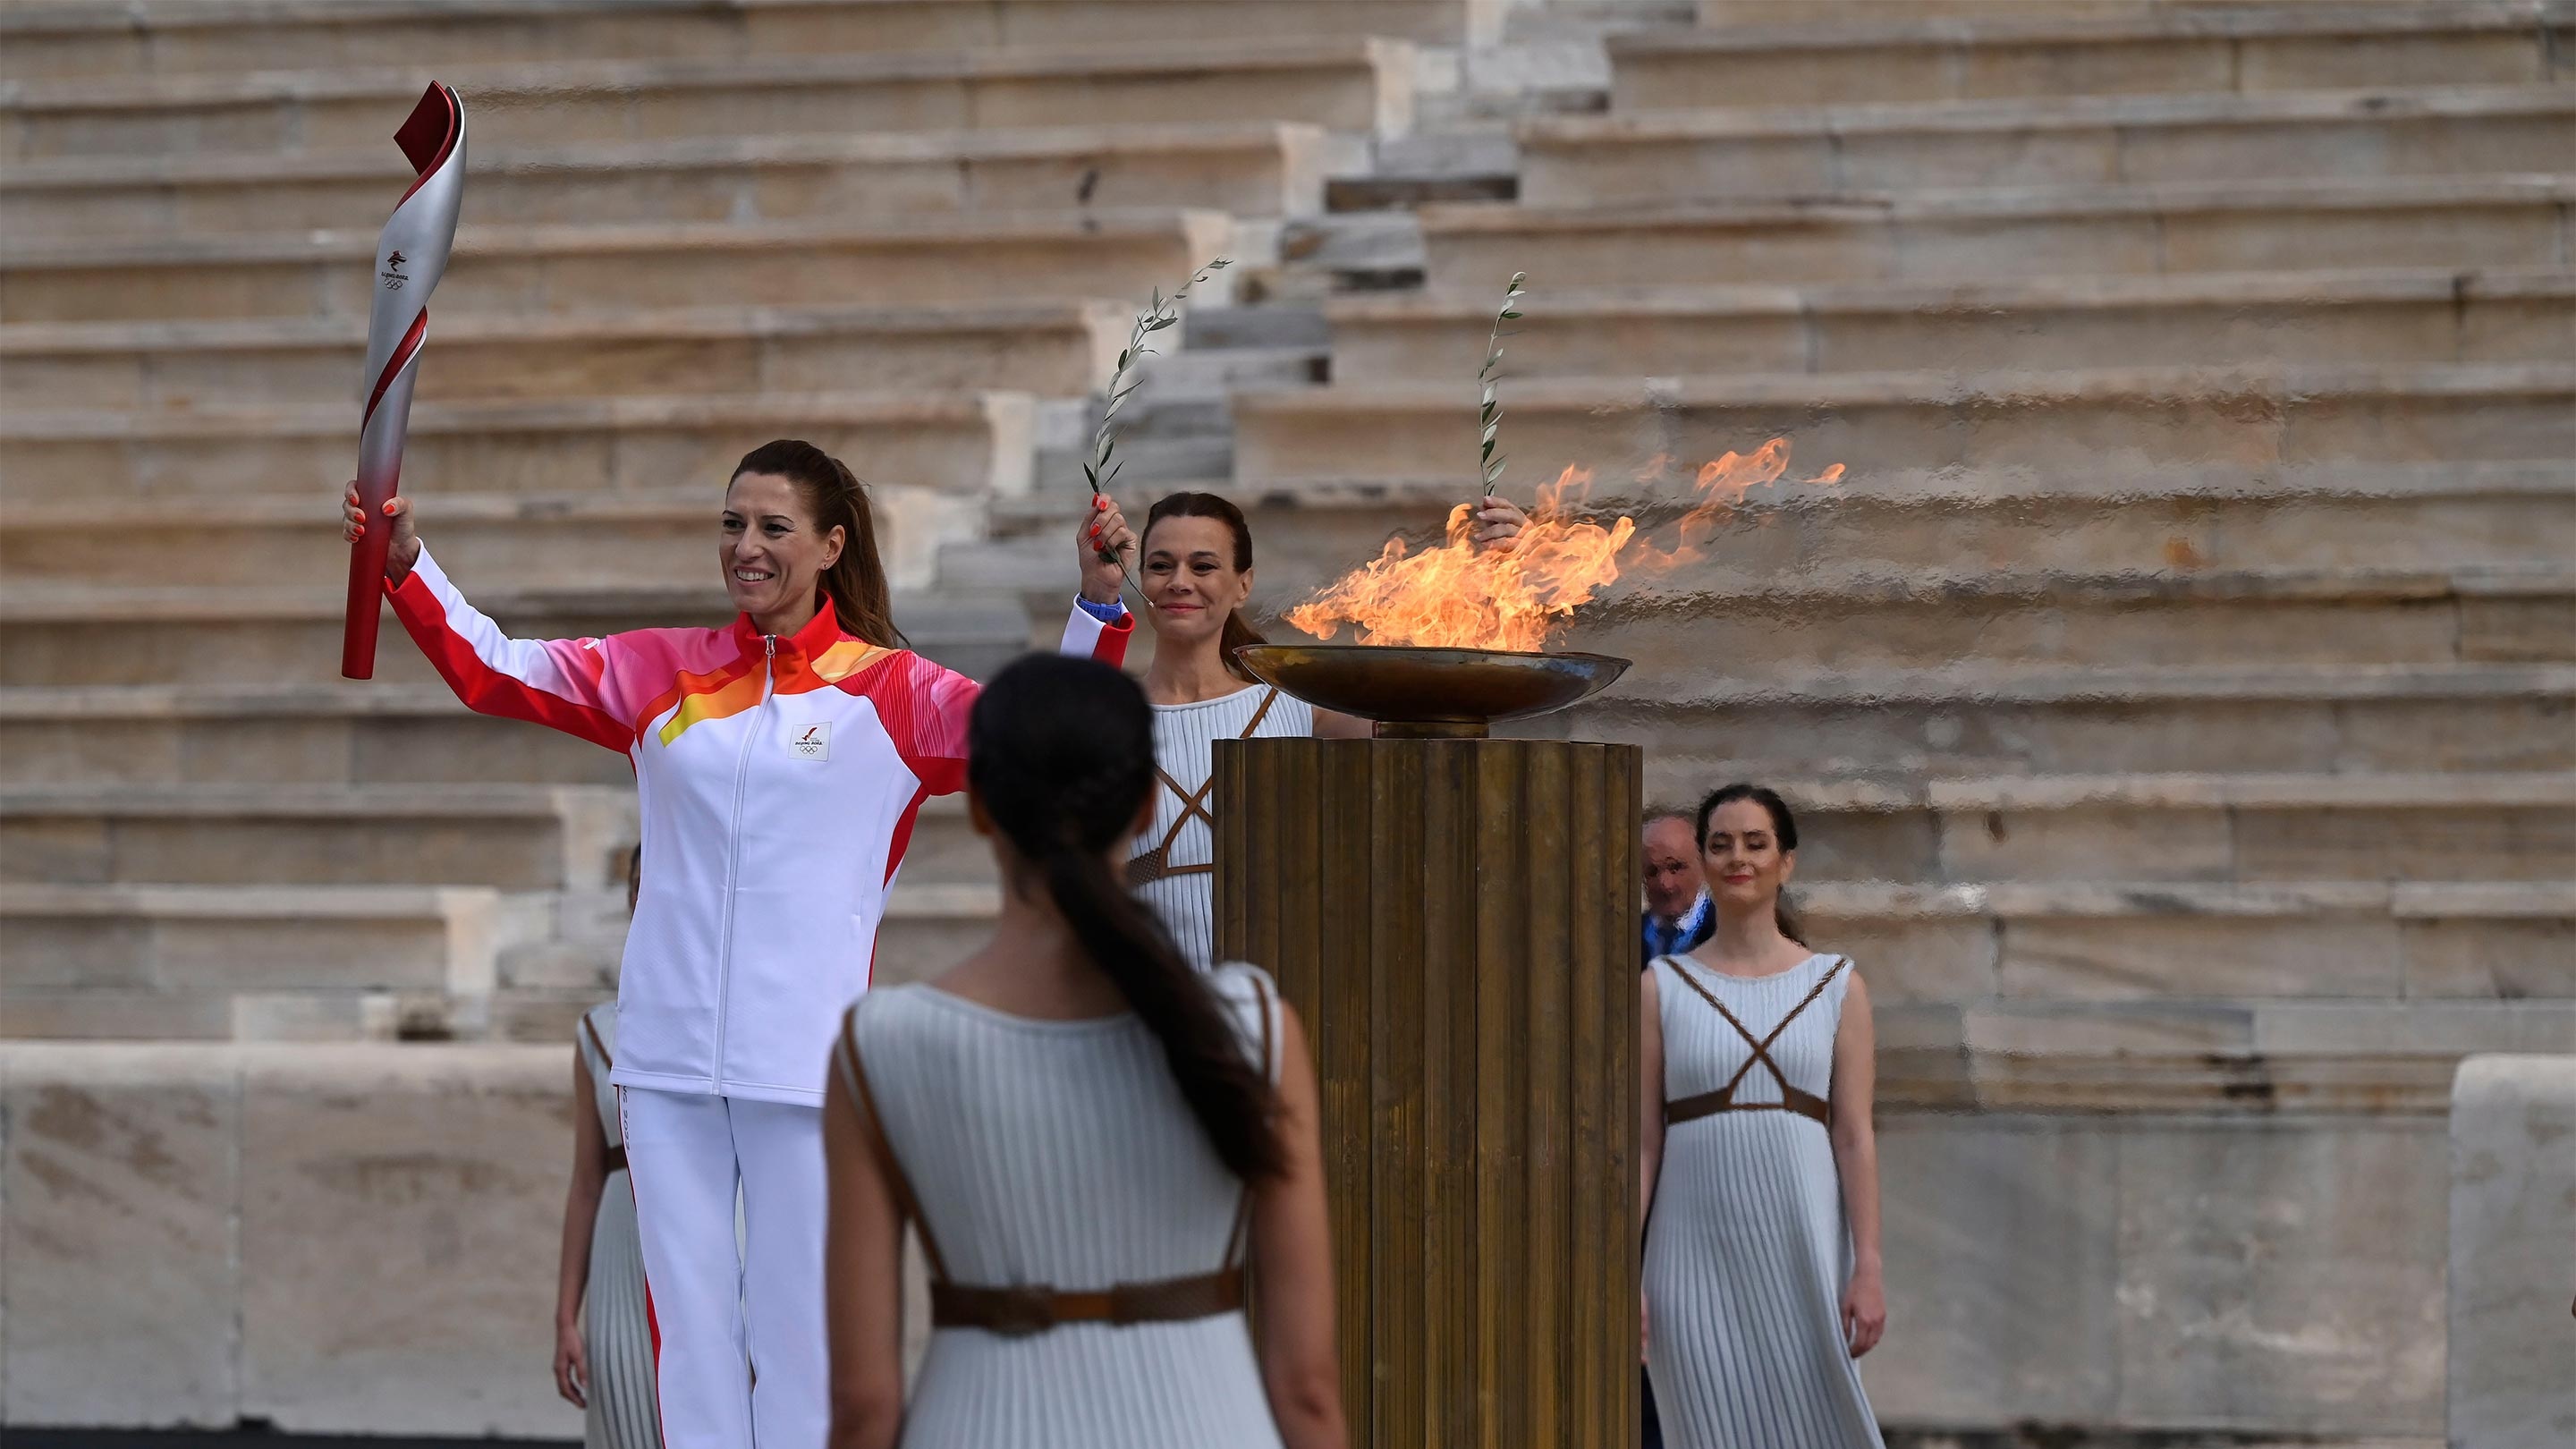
x: 1429, y: 693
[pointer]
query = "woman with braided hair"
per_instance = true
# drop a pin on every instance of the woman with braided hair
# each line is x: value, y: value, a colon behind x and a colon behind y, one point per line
x: 1758, y: 1162
x: 1097, y: 1143
x: 780, y: 763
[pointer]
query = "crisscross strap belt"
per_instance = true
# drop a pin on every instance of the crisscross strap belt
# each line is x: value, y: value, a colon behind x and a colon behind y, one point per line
x: 1709, y: 1104
x: 1148, y: 866
x: 1024, y: 1309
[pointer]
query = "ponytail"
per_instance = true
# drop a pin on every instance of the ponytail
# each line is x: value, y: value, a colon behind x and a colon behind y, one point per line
x: 1060, y: 752
x: 1238, y: 630
x: 855, y: 585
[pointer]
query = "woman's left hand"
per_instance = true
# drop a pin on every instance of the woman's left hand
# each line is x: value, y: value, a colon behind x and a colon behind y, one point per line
x: 1499, y: 524
x: 1864, y: 1313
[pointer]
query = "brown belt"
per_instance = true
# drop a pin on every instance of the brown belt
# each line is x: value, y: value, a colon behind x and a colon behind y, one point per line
x: 1035, y: 1308
x: 1709, y: 1104
x: 616, y: 1160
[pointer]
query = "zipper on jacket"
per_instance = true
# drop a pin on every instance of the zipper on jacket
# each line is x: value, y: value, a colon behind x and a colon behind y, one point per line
x: 733, y: 852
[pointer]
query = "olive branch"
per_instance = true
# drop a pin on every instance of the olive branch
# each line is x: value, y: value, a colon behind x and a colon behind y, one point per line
x: 1489, y: 384
x: 1101, y: 469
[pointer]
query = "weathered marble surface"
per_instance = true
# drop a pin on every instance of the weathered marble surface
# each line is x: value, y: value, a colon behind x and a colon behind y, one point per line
x: 333, y: 1238
x: 2513, y: 1269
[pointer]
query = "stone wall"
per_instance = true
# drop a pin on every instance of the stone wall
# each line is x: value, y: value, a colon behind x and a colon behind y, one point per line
x: 2513, y: 1253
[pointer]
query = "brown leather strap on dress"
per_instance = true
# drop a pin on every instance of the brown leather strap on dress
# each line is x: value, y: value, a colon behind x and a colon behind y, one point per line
x: 1036, y: 1308
x: 591, y: 1030
x: 616, y: 1160
x: 1155, y: 864
x: 1033, y: 1308
x: 901, y: 1185
x: 1709, y: 1104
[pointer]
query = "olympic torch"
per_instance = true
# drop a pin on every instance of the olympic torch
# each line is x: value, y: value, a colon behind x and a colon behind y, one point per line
x: 411, y: 255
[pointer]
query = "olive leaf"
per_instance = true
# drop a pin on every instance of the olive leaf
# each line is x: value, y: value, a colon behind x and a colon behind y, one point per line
x: 1489, y: 384
x: 1163, y: 312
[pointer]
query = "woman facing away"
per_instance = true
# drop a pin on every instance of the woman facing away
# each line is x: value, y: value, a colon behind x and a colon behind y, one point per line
x: 1759, y: 1163
x: 1195, y: 566
x: 779, y: 764
x: 1096, y: 1142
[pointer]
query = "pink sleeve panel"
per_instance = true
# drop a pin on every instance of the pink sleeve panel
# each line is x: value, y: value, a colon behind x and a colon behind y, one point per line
x: 923, y: 707
x: 560, y: 683
x: 1087, y: 638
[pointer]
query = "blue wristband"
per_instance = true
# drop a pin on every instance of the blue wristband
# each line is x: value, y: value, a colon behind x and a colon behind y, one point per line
x: 1108, y: 613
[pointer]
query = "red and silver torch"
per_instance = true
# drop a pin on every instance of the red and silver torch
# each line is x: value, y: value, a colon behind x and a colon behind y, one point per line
x: 411, y: 255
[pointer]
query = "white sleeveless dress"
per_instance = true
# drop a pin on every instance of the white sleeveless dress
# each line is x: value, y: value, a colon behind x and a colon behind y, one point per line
x: 1060, y: 1153
x: 1747, y: 1250
x: 1173, y: 865
x: 614, y: 1328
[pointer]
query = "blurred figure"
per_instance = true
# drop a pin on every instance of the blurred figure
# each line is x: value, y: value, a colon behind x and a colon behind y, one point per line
x: 603, y: 1328
x: 1677, y: 916
x: 1096, y: 1141
x: 1758, y: 1162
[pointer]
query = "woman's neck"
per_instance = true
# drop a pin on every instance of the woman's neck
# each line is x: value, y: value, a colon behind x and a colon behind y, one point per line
x: 1033, y: 965
x: 1191, y: 675
x: 785, y: 623
x: 1752, y: 940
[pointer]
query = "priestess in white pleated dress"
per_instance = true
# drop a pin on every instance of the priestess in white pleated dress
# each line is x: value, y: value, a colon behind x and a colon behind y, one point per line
x: 1062, y: 1153
x: 1748, y: 1251
x: 616, y: 1332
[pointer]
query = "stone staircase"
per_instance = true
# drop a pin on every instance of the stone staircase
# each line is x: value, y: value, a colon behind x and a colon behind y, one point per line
x: 2180, y: 687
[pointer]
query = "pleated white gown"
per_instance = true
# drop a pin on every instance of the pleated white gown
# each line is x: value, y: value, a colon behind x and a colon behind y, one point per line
x: 1185, y: 737
x: 1748, y: 1252
x: 614, y: 1327
x: 1061, y: 1153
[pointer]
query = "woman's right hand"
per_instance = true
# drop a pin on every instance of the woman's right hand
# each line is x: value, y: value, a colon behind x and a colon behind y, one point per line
x: 406, y: 545
x: 572, y: 1365
x: 1104, y: 530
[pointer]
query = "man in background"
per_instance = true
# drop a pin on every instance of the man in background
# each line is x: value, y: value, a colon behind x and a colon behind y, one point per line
x: 1677, y: 915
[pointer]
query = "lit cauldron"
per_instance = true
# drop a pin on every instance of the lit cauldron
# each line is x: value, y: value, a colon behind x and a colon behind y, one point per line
x: 1430, y: 693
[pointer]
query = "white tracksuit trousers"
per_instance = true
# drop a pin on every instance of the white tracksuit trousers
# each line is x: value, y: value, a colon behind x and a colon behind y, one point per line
x: 722, y: 1317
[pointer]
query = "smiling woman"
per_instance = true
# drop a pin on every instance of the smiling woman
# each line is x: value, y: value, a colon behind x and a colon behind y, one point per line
x: 780, y: 764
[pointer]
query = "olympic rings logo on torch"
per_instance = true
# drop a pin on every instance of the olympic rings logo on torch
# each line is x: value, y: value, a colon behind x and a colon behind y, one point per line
x: 411, y: 255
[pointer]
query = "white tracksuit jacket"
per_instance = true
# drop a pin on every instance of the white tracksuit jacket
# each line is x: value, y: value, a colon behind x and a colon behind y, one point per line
x: 779, y: 779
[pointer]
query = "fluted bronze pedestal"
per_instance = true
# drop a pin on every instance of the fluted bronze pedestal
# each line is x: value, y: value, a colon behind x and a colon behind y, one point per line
x: 1456, y: 922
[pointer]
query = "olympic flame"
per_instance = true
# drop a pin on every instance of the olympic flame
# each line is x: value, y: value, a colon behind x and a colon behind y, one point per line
x: 411, y: 255
x: 1457, y: 596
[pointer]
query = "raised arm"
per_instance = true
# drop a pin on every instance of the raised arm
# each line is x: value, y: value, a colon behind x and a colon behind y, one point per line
x: 563, y: 684
x: 863, y: 1271
x: 1292, y: 1261
x: 1855, y: 1089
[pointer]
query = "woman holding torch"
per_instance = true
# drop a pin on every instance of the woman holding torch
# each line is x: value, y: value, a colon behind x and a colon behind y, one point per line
x: 780, y: 764
x: 1196, y: 577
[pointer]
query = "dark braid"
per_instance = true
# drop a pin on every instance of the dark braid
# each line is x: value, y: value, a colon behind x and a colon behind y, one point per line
x: 1060, y: 752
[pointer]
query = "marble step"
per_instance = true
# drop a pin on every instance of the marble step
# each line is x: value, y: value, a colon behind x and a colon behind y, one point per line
x: 1051, y: 349
x: 256, y: 963
x: 2076, y: 969
x: 340, y: 963
x: 88, y: 633
x: 1353, y: 85
x: 960, y: 445
x: 2290, y: 830
x: 2123, y: 420
x: 505, y: 837
x: 1251, y: 168
x: 2457, y: 223
x: 1953, y: 52
x: 1966, y: 719
x: 515, y: 837
x: 1915, y: 529
x: 176, y: 37
x: 2015, y: 719
x: 538, y: 270
x: 2510, y: 314
x: 1664, y: 156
